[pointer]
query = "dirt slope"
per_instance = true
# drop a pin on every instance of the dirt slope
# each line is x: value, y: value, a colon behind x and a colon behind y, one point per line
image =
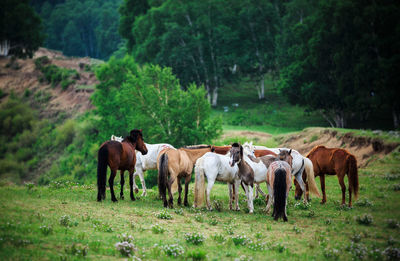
x: 25, y: 77
x: 364, y: 148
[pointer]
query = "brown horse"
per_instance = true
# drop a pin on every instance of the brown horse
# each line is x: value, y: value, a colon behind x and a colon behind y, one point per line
x: 118, y: 156
x: 223, y: 150
x: 260, y: 153
x: 177, y: 164
x: 333, y: 161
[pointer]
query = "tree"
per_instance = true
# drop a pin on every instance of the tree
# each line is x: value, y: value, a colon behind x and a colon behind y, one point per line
x: 20, y: 29
x: 151, y: 98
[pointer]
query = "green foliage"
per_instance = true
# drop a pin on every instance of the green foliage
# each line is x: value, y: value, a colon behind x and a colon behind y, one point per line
x: 54, y: 74
x: 163, y: 215
x: 151, y: 98
x: 194, y: 238
x: 365, y: 219
x: 197, y: 254
x: 21, y: 27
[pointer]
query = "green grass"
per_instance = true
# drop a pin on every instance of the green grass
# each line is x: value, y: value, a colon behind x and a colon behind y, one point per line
x: 65, y: 222
x: 261, y: 128
x: 383, y: 135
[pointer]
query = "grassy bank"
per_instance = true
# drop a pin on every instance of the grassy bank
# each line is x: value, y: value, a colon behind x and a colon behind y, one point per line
x: 63, y: 221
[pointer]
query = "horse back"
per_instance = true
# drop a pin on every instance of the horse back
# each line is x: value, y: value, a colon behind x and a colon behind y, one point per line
x: 261, y: 153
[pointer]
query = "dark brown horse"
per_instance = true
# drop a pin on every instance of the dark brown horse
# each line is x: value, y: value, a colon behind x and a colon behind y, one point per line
x: 118, y: 156
x: 333, y: 161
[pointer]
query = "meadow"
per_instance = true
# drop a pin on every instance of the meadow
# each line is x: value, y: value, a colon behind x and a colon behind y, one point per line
x: 63, y: 221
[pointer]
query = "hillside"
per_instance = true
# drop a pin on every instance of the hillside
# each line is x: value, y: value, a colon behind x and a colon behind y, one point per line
x: 23, y: 78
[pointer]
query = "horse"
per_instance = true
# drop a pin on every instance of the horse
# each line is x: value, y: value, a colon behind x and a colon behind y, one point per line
x: 279, y: 181
x: 218, y: 167
x: 334, y: 161
x: 118, y: 156
x: 300, y: 164
x: 177, y: 164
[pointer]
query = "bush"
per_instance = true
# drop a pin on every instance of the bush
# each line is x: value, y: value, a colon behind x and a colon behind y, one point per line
x: 218, y: 205
x: 174, y: 250
x: 392, y: 223
x: 194, y: 238
x: 157, y: 229
x: 125, y: 248
x: 197, y: 254
x: 163, y: 215
x: 65, y: 133
x: 218, y: 238
x: 240, y: 240
x: 77, y: 249
x: 391, y: 253
x: 365, y: 219
x: 46, y: 230
x: 364, y: 202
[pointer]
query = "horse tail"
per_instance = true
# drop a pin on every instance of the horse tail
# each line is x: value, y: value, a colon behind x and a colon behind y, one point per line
x: 352, y: 173
x: 102, y: 158
x: 199, y: 184
x: 163, y: 175
x: 309, y: 168
x: 279, y: 193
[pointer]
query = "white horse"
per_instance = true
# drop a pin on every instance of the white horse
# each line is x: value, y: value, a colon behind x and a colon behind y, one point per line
x: 146, y: 162
x: 217, y: 167
x: 299, y: 164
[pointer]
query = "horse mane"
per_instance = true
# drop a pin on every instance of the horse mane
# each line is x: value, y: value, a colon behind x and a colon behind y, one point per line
x: 236, y: 144
x: 133, y: 136
x: 193, y: 147
x: 315, y: 148
x: 254, y: 159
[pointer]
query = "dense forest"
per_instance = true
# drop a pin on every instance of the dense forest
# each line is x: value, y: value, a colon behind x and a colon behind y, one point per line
x: 339, y: 58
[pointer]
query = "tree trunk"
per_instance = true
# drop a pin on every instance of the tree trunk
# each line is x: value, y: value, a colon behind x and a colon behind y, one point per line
x: 339, y: 119
x: 4, y: 47
x: 215, y: 97
x: 261, y: 91
x: 395, y: 114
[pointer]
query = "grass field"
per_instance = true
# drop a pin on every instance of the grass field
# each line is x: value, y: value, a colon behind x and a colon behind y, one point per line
x: 64, y: 222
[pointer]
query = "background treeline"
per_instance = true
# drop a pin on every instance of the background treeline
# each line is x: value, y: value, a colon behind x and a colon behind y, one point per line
x: 339, y: 58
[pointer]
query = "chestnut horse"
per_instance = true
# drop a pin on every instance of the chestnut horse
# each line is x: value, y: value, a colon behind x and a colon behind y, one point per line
x: 333, y: 161
x: 177, y: 164
x: 118, y: 156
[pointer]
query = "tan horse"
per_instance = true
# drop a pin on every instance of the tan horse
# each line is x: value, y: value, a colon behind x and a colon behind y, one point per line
x: 177, y: 164
x: 279, y: 181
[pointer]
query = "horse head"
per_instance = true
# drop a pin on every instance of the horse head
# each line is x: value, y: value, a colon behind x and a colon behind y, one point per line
x: 285, y: 155
x: 136, y: 137
x: 236, y: 153
x: 249, y: 148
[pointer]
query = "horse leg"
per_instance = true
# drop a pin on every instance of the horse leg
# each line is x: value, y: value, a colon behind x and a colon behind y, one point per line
x: 111, y: 184
x: 121, y: 194
x: 135, y: 187
x: 230, y: 195
x: 299, y: 180
x: 131, y: 180
x: 171, y: 199
x: 270, y: 198
x: 179, y: 192
x: 285, y: 214
x: 343, y: 186
x: 187, y: 181
x: 322, y: 181
x: 210, y: 184
x: 141, y: 176
x: 236, y: 188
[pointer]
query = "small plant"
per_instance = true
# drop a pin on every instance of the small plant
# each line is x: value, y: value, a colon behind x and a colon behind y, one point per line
x: 29, y: 185
x: 65, y: 221
x: 297, y: 230
x: 396, y: 187
x: 157, y: 229
x: 213, y: 221
x: 46, y: 230
x: 364, y: 203
x: 256, y: 246
x: 77, y: 249
x: 391, y: 253
x: 302, y: 205
x: 356, y: 238
x: 357, y: 250
x: 328, y: 221
x: 125, y: 238
x: 259, y: 235
x: 391, y: 176
x: 218, y: 205
x: 199, y: 217
x: 365, y: 219
x: 392, y: 223
x: 194, y: 238
x: 179, y: 211
x: 240, y: 240
x: 174, y: 250
x: 332, y: 253
x: 228, y: 229
x: 164, y: 215
x: 259, y: 201
x: 279, y: 247
x: 311, y: 214
x: 125, y: 248
x: 197, y: 254
x: 218, y: 238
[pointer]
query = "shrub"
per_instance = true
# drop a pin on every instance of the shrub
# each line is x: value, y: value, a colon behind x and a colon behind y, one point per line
x: 197, y: 254
x: 194, y: 238
x: 218, y: 205
x: 357, y: 250
x: 218, y: 238
x: 199, y: 217
x: 179, y: 211
x: 356, y: 238
x: 391, y: 253
x: 77, y: 249
x: 279, y: 247
x: 174, y: 250
x: 157, y: 229
x: 65, y: 221
x: 364, y: 203
x: 46, y: 230
x: 240, y: 240
x: 163, y: 215
x: 302, y: 205
x: 213, y: 221
x: 365, y: 219
x: 125, y: 238
x: 332, y: 253
x: 392, y: 223
x: 257, y: 246
x: 297, y: 229
x: 125, y: 248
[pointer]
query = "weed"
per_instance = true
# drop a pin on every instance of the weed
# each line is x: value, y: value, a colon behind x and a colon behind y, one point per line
x: 77, y: 249
x: 297, y: 230
x: 365, y: 219
x: 218, y: 238
x: 302, y: 205
x: 194, y: 238
x: 396, y: 187
x: 328, y: 221
x: 240, y: 240
x: 228, y: 229
x: 65, y: 221
x: 179, y: 211
x: 279, y: 247
x: 197, y: 254
x: 356, y: 238
x: 391, y: 176
x: 391, y: 253
x: 364, y: 202
x: 357, y: 250
x: 125, y: 238
x: 199, y: 217
x: 332, y: 253
x: 213, y: 221
x: 125, y: 248
x: 392, y: 223
x: 46, y: 230
x: 256, y: 246
x: 157, y: 229
x: 218, y: 205
x: 174, y: 250
x: 163, y: 215
x: 259, y: 235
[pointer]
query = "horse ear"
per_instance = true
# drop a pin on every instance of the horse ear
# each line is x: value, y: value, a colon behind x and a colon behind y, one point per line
x: 290, y: 151
x: 241, y: 150
x: 280, y: 150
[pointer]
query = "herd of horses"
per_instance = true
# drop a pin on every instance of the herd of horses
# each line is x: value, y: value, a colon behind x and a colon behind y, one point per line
x: 238, y: 165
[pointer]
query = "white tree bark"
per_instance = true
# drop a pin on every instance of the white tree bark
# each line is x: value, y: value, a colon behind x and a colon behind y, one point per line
x: 4, y: 47
x: 215, y: 96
